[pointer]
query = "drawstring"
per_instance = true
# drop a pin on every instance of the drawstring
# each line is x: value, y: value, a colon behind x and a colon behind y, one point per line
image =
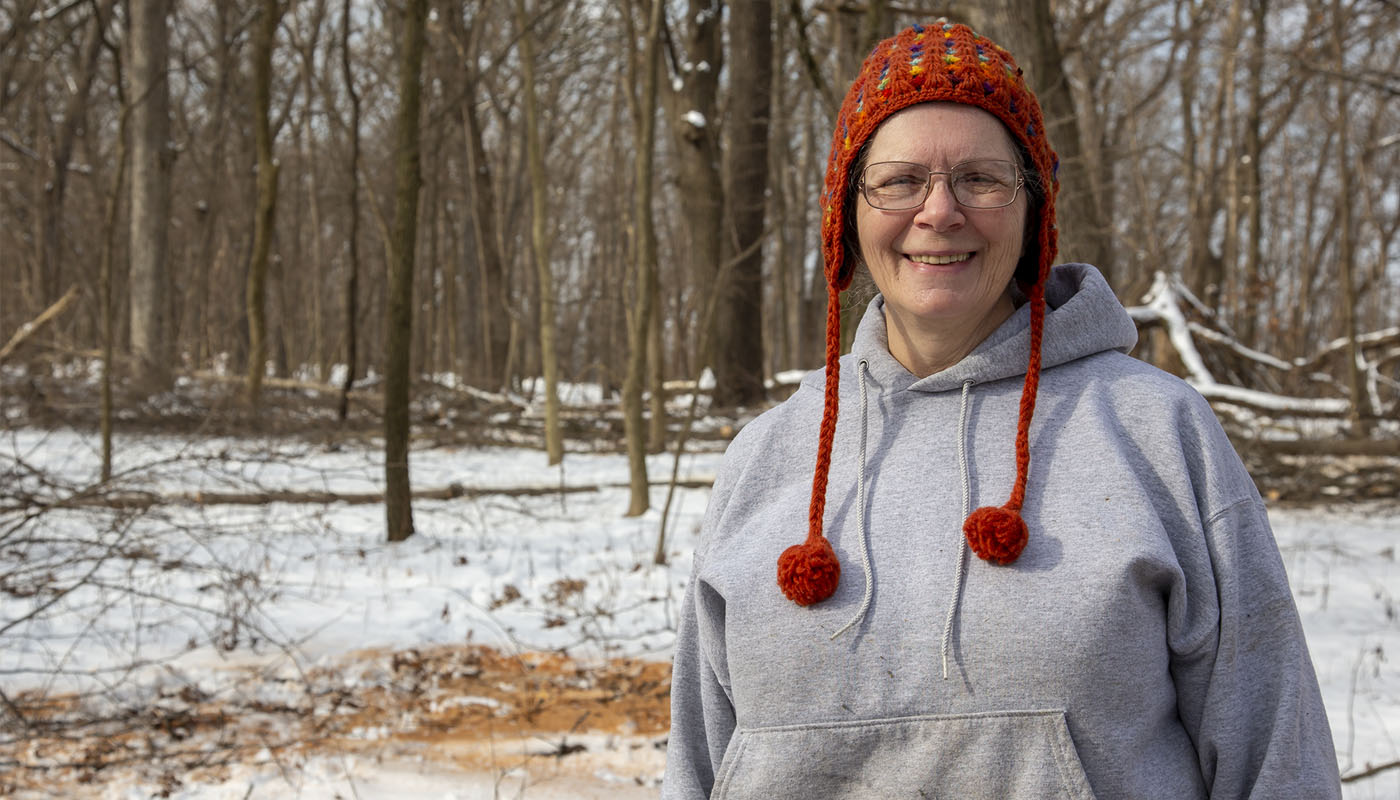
x: 962, y: 540
x: 860, y: 507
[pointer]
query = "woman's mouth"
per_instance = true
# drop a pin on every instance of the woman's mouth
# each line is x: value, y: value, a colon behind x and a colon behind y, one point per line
x: 952, y: 258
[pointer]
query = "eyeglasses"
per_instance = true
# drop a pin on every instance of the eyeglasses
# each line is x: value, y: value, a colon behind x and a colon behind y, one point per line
x: 899, y: 185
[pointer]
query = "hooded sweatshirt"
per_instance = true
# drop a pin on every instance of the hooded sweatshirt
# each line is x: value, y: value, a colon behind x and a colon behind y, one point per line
x: 1144, y: 645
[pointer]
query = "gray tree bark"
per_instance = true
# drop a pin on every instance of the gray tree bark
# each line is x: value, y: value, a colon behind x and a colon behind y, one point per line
x: 265, y: 216
x: 738, y: 362
x: 151, y: 162
x: 352, y: 278
x: 51, y: 264
x: 534, y: 157
x: 644, y: 258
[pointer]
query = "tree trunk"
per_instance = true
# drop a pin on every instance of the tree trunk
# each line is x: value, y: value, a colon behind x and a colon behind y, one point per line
x: 694, y: 123
x: 656, y: 360
x: 151, y: 162
x: 492, y: 314
x: 492, y: 310
x: 398, y: 338
x: 320, y: 354
x: 50, y: 256
x: 352, y: 238
x: 1253, y: 280
x: 265, y: 217
x: 738, y: 362
x: 104, y: 292
x: 644, y: 255
x: 1346, y: 242
x: 1027, y: 29
x: 539, y: 187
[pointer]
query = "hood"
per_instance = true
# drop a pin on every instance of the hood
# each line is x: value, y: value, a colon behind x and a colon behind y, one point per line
x: 1083, y: 317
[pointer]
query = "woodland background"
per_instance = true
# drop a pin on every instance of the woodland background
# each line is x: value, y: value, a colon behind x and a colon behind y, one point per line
x: 334, y: 189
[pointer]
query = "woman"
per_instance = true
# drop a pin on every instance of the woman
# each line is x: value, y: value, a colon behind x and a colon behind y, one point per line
x: 1126, y: 628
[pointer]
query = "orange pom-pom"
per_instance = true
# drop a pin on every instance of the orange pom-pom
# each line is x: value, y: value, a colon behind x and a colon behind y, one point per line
x: 996, y: 534
x: 808, y: 573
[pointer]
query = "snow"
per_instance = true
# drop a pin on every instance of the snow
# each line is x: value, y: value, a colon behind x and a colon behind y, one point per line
x: 502, y: 569
x: 694, y: 118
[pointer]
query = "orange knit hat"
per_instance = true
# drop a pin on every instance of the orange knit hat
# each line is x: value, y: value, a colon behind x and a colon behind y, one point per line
x: 950, y: 63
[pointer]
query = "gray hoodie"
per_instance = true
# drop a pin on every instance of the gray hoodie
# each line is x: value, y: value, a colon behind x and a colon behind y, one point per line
x: 1145, y: 644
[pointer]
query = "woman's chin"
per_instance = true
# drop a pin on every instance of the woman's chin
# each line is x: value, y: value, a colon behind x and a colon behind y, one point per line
x: 933, y: 307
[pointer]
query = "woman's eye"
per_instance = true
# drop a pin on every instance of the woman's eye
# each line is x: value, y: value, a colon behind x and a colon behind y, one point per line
x: 899, y: 181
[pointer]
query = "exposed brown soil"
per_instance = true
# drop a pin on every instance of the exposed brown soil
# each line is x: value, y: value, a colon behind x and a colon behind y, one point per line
x: 473, y: 708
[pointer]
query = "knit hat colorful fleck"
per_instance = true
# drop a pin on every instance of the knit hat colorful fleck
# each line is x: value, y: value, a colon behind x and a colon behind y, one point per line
x: 950, y: 63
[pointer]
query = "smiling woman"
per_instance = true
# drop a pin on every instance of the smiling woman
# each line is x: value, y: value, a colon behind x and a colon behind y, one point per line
x: 1126, y: 630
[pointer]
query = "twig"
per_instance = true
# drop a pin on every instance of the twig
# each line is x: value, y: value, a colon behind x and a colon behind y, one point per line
x: 1371, y: 772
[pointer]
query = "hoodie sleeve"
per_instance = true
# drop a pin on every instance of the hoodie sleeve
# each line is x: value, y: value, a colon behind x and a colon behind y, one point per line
x: 702, y: 710
x: 702, y: 705
x: 1246, y: 689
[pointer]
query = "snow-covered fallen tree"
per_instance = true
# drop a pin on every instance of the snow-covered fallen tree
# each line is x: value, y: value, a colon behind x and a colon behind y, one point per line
x: 1264, y: 390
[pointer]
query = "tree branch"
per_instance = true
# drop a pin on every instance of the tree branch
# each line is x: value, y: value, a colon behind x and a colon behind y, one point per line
x: 27, y: 330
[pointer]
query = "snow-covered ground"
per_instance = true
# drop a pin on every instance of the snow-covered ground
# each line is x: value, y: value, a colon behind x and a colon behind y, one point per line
x: 314, y: 583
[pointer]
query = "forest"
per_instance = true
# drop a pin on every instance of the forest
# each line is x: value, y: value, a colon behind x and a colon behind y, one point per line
x: 240, y: 240
x: 228, y: 188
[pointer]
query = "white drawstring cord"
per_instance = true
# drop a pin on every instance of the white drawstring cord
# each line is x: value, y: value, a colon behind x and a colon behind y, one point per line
x: 860, y: 508
x: 962, y: 540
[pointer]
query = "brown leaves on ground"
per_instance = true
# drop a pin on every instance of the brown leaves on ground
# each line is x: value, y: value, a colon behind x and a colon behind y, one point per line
x: 472, y: 707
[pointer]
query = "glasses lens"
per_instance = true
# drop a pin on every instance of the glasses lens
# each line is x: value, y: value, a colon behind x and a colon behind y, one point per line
x: 895, y: 185
x: 985, y: 184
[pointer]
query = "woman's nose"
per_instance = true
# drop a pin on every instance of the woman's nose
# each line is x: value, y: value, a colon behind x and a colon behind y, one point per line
x: 941, y: 210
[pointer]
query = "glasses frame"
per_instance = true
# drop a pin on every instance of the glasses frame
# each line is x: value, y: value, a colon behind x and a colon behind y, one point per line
x: 928, y: 183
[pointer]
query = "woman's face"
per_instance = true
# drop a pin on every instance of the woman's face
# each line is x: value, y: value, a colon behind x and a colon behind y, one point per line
x: 944, y: 270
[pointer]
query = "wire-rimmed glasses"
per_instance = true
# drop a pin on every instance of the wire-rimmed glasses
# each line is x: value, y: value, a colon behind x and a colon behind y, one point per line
x: 901, y: 185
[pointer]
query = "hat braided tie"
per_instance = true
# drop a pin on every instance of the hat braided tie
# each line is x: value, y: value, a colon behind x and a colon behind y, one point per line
x: 808, y: 572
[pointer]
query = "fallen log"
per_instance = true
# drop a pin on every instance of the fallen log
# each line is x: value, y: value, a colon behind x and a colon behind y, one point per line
x: 1328, y: 447
x: 145, y: 500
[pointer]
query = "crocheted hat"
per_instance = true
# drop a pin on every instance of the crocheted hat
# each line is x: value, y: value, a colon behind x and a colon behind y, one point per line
x: 950, y: 63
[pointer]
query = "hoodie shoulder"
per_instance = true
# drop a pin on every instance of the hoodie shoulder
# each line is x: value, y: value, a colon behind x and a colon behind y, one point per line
x: 776, y: 448
x: 1164, y: 415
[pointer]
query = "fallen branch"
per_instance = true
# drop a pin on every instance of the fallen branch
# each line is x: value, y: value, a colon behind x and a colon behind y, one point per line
x: 27, y: 330
x: 145, y: 500
x: 1163, y: 305
x: 1330, y: 447
x: 1371, y: 772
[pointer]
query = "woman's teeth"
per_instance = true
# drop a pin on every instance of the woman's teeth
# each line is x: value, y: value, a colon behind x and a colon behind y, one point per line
x: 953, y: 259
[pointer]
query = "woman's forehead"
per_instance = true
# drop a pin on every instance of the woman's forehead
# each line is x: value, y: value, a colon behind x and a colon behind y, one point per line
x: 941, y: 134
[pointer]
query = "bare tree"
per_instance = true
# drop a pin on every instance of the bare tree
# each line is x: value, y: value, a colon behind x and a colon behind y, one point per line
x: 491, y: 309
x: 352, y: 237
x: 55, y: 188
x: 643, y: 104
x: 539, y: 240
x: 399, y: 324
x: 265, y: 216
x: 739, y: 360
x: 1346, y: 246
x: 104, y: 289
x: 151, y: 163
x: 696, y: 57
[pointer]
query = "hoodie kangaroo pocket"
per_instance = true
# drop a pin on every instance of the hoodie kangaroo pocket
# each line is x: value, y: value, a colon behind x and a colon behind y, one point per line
x: 1027, y: 755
